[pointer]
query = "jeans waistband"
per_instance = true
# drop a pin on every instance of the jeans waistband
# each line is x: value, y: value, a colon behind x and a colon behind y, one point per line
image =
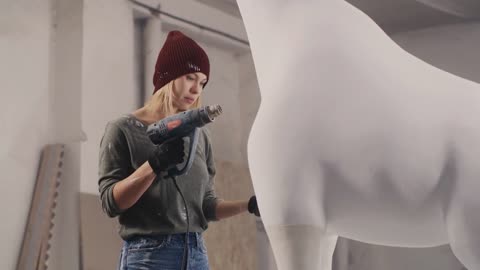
x: 194, y: 238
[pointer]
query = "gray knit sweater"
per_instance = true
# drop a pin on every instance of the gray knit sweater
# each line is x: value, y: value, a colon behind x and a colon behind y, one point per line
x: 160, y: 210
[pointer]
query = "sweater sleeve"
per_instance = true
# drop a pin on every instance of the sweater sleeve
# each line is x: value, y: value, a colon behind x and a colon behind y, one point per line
x: 114, y: 161
x: 210, y: 199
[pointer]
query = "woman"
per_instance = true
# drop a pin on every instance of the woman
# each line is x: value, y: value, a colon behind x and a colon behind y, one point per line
x: 133, y: 182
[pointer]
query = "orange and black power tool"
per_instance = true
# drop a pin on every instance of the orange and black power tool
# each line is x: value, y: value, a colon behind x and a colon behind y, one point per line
x: 184, y: 124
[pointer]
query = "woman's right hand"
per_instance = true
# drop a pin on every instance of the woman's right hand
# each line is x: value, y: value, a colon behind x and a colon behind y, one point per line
x: 167, y: 155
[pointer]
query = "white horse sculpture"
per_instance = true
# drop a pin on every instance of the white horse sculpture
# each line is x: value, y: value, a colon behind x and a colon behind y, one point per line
x: 357, y: 138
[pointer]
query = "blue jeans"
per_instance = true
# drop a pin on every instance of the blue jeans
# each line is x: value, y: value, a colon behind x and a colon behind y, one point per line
x: 163, y: 252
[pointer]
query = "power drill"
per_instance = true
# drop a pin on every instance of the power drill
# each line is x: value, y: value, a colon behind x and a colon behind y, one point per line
x: 183, y: 124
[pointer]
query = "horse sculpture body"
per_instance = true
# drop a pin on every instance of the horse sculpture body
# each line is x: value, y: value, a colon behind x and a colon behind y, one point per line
x: 356, y: 138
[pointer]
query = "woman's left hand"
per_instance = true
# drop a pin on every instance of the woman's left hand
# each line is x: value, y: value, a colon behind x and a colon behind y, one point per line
x: 252, y: 206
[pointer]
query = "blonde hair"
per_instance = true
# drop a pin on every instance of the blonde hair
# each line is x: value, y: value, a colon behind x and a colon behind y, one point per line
x: 164, y: 96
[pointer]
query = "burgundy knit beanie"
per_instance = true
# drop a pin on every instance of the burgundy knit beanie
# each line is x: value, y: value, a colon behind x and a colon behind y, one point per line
x: 179, y: 55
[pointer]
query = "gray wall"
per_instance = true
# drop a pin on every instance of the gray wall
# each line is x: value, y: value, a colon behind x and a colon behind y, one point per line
x: 110, y: 85
x: 40, y: 48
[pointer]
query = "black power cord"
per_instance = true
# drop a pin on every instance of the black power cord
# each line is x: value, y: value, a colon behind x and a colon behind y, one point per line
x: 185, y: 249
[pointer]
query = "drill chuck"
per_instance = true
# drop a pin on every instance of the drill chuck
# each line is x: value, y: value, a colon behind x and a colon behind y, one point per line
x: 213, y: 111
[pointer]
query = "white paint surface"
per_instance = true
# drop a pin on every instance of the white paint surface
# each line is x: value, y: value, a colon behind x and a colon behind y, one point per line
x: 453, y: 49
x: 40, y: 48
x: 108, y: 88
x: 357, y: 138
x: 25, y: 128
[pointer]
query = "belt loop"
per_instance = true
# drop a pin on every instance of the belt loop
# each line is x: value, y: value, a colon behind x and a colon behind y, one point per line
x: 197, y: 235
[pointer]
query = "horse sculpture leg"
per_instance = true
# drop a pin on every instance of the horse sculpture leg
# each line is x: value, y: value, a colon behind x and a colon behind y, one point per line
x: 463, y: 226
x: 301, y: 247
x: 461, y: 201
x: 290, y: 191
